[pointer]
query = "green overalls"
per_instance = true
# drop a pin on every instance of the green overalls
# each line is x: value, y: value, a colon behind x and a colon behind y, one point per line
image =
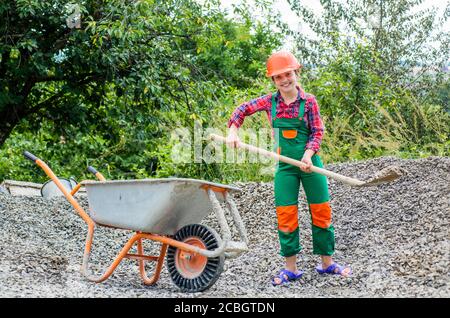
x: 291, y: 136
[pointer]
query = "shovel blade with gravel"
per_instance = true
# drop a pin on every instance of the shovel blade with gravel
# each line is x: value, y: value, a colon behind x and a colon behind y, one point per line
x: 387, y: 174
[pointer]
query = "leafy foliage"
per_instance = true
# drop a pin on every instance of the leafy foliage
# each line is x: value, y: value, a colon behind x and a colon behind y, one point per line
x: 112, y: 88
x: 109, y: 89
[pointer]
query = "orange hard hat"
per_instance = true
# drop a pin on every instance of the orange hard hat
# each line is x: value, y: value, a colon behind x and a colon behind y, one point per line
x: 280, y: 62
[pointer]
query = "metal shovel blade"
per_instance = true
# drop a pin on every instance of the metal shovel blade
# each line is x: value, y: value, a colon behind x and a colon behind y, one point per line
x: 387, y: 174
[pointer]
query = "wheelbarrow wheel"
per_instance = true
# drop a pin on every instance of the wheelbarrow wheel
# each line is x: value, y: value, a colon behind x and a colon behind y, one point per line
x: 195, y: 272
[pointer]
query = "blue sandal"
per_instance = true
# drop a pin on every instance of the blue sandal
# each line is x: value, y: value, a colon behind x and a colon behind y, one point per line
x: 286, y: 276
x: 333, y: 269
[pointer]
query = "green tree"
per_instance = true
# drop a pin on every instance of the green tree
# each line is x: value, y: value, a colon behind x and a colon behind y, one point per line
x: 144, y: 52
x: 411, y: 44
x: 109, y: 82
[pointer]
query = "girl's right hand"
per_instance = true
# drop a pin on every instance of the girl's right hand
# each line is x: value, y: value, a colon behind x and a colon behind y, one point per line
x: 233, y: 139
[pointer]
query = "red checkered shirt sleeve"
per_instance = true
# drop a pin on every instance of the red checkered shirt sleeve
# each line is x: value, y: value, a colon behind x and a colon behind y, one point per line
x: 249, y: 108
x: 315, y: 124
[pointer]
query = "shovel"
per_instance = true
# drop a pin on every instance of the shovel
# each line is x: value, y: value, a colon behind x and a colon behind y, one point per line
x: 387, y: 174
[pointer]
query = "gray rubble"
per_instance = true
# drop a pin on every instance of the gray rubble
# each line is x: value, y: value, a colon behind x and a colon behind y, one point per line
x: 395, y: 237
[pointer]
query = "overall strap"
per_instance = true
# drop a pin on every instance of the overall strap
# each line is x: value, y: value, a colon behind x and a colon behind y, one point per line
x: 274, y: 106
x: 301, y: 111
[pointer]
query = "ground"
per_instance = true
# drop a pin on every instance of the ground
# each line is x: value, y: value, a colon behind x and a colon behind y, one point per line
x: 394, y: 236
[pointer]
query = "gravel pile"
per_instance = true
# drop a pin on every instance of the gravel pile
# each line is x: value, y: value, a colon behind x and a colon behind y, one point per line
x: 395, y: 237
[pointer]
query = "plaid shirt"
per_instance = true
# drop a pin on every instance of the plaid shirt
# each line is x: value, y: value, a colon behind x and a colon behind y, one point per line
x: 312, y: 114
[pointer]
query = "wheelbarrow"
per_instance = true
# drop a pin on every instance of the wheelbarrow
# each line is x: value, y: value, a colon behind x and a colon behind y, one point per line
x: 167, y: 211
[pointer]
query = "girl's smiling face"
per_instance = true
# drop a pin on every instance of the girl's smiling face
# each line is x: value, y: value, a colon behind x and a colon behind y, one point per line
x: 286, y: 82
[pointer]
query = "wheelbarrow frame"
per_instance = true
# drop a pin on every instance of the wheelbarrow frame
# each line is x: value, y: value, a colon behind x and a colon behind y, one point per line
x: 226, y: 247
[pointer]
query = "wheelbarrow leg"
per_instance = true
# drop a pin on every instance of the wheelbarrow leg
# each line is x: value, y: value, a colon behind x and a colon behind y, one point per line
x: 159, y: 264
x: 122, y: 254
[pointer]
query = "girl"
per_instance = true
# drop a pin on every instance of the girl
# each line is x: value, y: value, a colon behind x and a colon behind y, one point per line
x: 295, y: 114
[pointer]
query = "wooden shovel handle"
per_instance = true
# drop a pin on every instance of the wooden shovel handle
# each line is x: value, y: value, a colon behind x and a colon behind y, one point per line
x: 277, y: 157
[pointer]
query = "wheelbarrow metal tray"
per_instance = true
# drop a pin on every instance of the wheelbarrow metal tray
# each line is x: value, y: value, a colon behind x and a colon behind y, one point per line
x: 158, y: 206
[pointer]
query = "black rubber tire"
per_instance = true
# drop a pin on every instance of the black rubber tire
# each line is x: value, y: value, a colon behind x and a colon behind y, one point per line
x: 213, y: 268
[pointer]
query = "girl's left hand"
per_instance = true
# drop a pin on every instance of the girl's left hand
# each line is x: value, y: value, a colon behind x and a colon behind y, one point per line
x: 308, y: 162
